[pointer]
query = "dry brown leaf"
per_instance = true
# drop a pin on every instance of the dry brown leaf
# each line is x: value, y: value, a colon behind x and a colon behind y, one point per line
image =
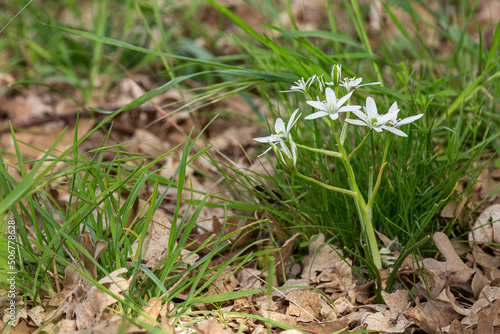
x: 157, y: 237
x: 428, y: 323
x: 327, y: 312
x: 398, y: 302
x: 115, y: 324
x: 337, y: 276
x: 66, y: 326
x: 385, y: 240
x: 381, y: 322
x: 49, y: 328
x: 156, y: 242
x: 281, y: 257
x: 376, y: 321
x: 90, y: 310
x: 319, y: 258
x: 479, y: 281
x: 20, y: 314
x: 458, y: 308
x: 249, y: 278
x: 457, y: 328
x: 486, y: 321
x: 495, y: 273
x: 449, y: 210
x: 94, y: 249
x: 225, y: 282
x: 153, y: 310
x: 289, y: 283
x: 487, y: 226
x: 485, y: 233
x: 325, y: 327
x: 37, y: 315
x: 483, y: 258
x: 452, y: 271
x: 148, y: 143
x: 309, y: 302
x: 342, y: 304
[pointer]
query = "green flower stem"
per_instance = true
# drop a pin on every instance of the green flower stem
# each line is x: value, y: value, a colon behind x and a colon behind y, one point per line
x: 355, y: 151
x: 388, y: 143
x: 317, y: 150
x: 324, y: 185
x: 343, y: 134
x: 364, y: 209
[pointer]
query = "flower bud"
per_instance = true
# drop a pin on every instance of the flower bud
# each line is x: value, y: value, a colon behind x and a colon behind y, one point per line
x: 287, y: 155
x: 336, y: 74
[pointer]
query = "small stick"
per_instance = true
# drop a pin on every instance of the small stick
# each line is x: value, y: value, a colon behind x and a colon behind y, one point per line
x: 56, y: 275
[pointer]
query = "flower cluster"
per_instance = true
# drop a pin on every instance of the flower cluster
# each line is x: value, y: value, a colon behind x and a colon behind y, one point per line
x: 329, y: 104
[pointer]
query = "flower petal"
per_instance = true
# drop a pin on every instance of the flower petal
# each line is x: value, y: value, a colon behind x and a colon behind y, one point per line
x: 394, y: 130
x: 279, y: 125
x: 318, y: 105
x: 293, y: 89
x: 344, y: 98
x: 310, y: 81
x: 334, y: 116
x: 409, y: 119
x: 384, y: 118
x: 317, y: 115
x: 293, y: 119
x: 355, y: 122
x: 270, y: 147
x: 394, y: 108
x: 369, y: 84
x: 330, y: 96
x: 360, y: 114
x: 272, y: 138
x: 349, y: 108
x: 371, y: 108
x: 355, y: 82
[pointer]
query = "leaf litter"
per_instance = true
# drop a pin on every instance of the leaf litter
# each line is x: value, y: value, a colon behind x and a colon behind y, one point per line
x: 447, y: 296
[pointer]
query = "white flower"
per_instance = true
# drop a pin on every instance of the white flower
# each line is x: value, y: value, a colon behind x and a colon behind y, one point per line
x: 287, y: 155
x: 331, y: 107
x: 301, y: 85
x: 351, y: 84
x: 282, y: 131
x: 393, y: 123
x: 373, y: 120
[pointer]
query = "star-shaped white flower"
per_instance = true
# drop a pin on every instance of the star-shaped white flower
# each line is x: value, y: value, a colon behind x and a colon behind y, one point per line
x: 282, y: 130
x: 372, y: 119
x: 393, y: 122
x: 351, y: 84
x: 331, y: 107
x: 301, y: 85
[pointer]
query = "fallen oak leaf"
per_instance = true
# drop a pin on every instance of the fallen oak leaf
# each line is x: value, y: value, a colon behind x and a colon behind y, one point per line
x: 210, y: 327
x: 398, y: 302
x: 423, y: 320
x: 486, y: 321
x: 153, y: 310
x: 452, y: 271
